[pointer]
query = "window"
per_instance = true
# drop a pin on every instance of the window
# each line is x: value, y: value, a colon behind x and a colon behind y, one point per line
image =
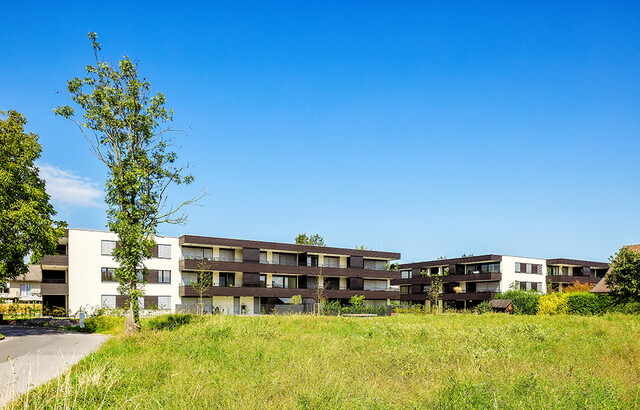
x: 312, y: 260
x: 164, y: 251
x: 528, y: 268
x: 404, y: 290
x: 227, y: 279
x: 286, y: 282
x: 108, y: 274
x: 61, y: 249
x: 565, y: 270
x: 228, y: 255
x: 164, y: 276
x: 109, y: 301
x: 406, y: 274
x: 373, y: 264
x: 370, y: 284
x: 25, y: 289
x: 553, y: 270
x: 426, y: 288
x: 332, y: 262
x: 263, y: 257
x: 263, y: 281
x: 486, y: 287
x: 290, y: 259
x: 107, y: 247
x: 164, y: 302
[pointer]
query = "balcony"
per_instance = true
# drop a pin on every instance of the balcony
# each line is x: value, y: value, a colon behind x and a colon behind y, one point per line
x: 469, y: 277
x: 572, y: 279
x: 239, y: 266
x: 451, y: 296
x: 191, y: 291
x: 55, y: 260
x: 54, y: 289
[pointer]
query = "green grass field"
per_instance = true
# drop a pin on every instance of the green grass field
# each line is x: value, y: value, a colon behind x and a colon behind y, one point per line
x: 407, y: 361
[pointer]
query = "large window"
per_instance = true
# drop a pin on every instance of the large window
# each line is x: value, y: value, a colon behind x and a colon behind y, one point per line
x: 528, y: 268
x: 107, y: 247
x: 228, y: 255
x: 25, y: 289
x: 331, y: 262
x: 312, y: 260
x: 406, y: 274
x: 263, y: 257
x: 404, y: 290
x: 164, y: 302
x: 108, y: 274
x: 108, y: 301
x: 286, y: 282
x: 372, y: 284
x: 263, y: 281
x: 164, y: 251
x: 290, y: 259
x: 164, y: 276
x: 373, y: 264
x: 553, y: 270
x: 227, y: 279
x: 486, y: 287
x: 190, y: 252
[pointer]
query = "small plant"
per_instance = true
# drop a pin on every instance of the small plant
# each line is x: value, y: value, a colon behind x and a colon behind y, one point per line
x: 484, y: 307
x: 295, y: 300
x: 356, y: 301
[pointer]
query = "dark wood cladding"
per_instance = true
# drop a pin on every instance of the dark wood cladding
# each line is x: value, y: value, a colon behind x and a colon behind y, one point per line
x: 277, y: 246
x: 150, y: 302
x: 577, y: 262
x: 152, y: 276
x: 414, y: 297
x: 220, y: 266
x: 251, y: 255
x: 54, y: 288
x: 251, y: 279
x: 55, y: 260
x: 572, y: 279
x: 454, y: 261
x: 355, y: 283
x: 356, y: 262
x: 190, y: 291
x: 425, y: 280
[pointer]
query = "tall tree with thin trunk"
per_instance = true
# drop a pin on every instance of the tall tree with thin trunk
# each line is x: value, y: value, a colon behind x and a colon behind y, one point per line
x: 125, y: 125
x: 26, y: 216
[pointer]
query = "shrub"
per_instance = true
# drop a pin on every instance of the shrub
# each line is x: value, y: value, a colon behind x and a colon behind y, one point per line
x: 170, y: 321
x: 484, y: 307
x: 356, y: 301
x: 631, y: 308
x: 553, y: 304
x: 585, y: 303
x: 331, y: 308
x: 523, y: 302
x: 295, y: 300
x: 578, y: 287
x: 372, y: 310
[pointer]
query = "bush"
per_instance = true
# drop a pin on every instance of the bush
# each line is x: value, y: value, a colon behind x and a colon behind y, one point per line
x: 553, y: 304
x: 523, y: 302
x: 631, y: 308
x: 585, y: 303
x: 331, y: 308
x: 170, y: 321
x: 371, y: 310
x: 484, y: 307
x: 295, y: 300
x: 102, y: 324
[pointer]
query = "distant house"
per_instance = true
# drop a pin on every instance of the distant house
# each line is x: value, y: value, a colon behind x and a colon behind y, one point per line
x: 502, y: 305
x: 25, y: 288
x: 601, y: 287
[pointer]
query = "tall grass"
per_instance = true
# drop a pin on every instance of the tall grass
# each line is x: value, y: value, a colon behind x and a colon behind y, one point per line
x: 406, y: 361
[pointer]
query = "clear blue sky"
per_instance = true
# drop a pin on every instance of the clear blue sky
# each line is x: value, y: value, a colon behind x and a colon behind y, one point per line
x: 427, y: 129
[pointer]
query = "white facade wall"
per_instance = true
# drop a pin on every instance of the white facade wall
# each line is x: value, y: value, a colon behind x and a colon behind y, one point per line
x: 86, y: 261
x: 509, y: 275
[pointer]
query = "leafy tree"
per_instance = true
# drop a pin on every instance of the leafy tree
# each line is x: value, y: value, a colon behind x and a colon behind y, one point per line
x: 434, y: 291
x: 624, y: 277
x: 124, y: 124
x: 295, y: 300
x: 363, y: 248
x: 202, y: 284
x: 356, y: 301
x: 315, y: 240
x: 26, y: 216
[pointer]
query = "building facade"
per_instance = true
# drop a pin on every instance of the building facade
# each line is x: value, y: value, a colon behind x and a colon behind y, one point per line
x: 468, y: 281
x: 244, y: 277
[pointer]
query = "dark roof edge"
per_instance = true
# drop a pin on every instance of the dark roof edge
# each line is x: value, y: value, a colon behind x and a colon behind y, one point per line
x: 245, y: 243
x: 452, y: 261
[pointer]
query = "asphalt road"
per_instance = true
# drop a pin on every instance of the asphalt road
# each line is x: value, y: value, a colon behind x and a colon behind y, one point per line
x: 30, y: 356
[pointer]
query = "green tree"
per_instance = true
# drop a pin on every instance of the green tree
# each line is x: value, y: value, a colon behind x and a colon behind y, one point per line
x: 26, y: 216
x: 295, y: 300
x: 624, y: 277
x: 125, y: 125
x: 204, y: 280
x: 315, y: 240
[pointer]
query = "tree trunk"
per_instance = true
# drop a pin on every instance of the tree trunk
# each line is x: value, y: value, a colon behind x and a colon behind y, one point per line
x: 130, y: 325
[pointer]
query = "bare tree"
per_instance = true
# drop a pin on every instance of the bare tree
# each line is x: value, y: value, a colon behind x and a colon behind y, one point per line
x: 204, y: 280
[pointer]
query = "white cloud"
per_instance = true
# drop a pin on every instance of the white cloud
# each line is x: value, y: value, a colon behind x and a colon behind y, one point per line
x: 69, y: 189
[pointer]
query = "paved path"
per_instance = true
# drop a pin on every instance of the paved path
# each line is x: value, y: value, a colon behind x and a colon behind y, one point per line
x: 30, y: 356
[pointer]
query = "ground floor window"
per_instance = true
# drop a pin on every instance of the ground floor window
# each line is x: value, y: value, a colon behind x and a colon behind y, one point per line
x: 25, y: 289
x: 108, y: 301
x: 164, y: 302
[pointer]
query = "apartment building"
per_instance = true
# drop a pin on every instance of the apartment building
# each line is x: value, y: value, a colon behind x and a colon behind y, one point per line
x: 254, y: 276
x: 246, y: 277
x: 467, y: 281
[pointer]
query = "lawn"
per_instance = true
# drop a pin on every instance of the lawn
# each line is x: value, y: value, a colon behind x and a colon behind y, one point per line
x: 407, y: 361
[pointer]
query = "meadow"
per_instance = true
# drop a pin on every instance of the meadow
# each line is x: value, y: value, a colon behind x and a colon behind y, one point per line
x: 406, y: 361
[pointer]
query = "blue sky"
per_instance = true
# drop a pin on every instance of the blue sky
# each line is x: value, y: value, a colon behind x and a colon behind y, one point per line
x: 423, y: 128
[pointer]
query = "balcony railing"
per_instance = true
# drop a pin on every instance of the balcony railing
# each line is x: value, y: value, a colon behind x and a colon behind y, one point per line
x: 216, y: 259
